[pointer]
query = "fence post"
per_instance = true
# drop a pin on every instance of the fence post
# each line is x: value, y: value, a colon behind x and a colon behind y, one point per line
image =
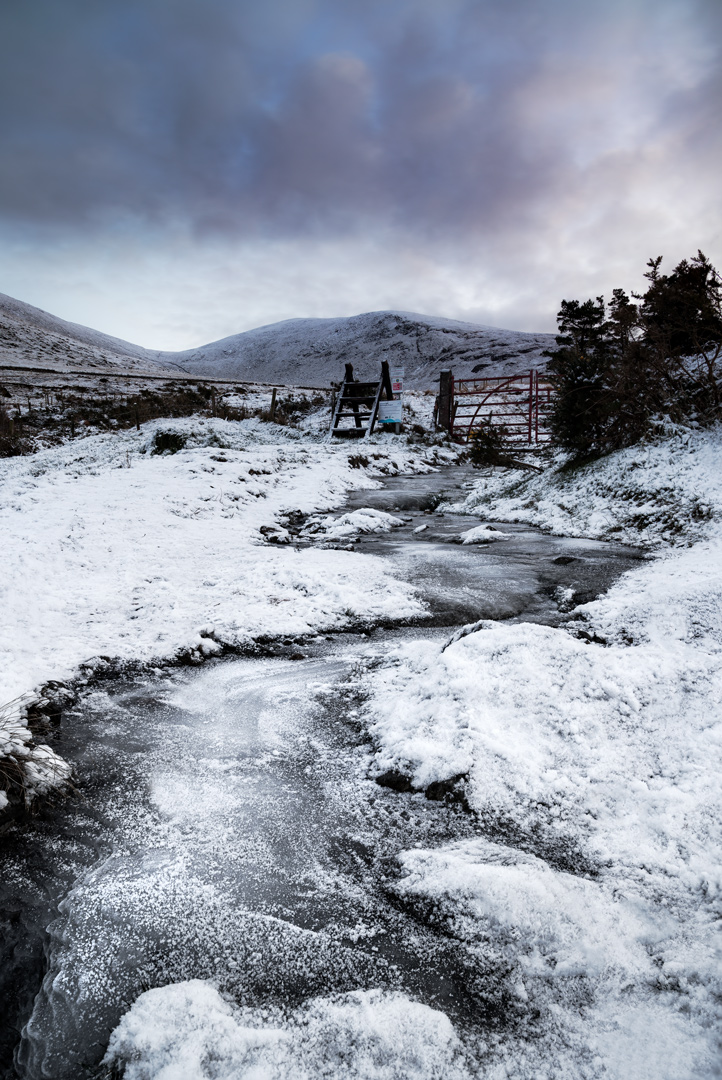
x: 531, y: 406
x: 446, y: 395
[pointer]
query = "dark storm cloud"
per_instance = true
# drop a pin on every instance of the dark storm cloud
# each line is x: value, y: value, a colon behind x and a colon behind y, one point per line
x: 279, y: 118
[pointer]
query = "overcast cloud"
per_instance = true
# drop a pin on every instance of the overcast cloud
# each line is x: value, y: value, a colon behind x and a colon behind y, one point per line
x: 174, y: 170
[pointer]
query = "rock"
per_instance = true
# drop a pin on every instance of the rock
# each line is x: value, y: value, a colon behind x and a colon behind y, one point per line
x: 395, y: 780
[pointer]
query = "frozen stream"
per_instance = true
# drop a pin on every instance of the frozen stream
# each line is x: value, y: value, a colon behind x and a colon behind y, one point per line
x: 225, y: 826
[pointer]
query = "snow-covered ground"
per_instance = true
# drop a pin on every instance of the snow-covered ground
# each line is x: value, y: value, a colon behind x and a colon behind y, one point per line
x: 668, y: 491
x: 593, y: 761
x: 113, y: 552
x: 590, y: 754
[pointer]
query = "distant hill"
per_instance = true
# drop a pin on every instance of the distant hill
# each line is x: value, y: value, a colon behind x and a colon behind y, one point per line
x: 308, y: 352
x: 30, y: 337
x: 315, y: 350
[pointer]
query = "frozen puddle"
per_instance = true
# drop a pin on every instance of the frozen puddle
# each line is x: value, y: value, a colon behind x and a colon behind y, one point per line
x: 230, y: 873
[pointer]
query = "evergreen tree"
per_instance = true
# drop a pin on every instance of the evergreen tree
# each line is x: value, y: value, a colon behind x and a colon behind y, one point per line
x: 614, y: 375
x: 579, y: 368
x: 681, y: 322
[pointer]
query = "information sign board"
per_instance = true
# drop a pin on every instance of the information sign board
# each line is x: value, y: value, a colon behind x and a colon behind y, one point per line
x: 390, y: 412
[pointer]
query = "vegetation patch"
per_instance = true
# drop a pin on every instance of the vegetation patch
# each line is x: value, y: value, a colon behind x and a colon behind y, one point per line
x: 168, y: 442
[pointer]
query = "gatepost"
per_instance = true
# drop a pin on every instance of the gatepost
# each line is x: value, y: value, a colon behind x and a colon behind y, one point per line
x: 446, y: 396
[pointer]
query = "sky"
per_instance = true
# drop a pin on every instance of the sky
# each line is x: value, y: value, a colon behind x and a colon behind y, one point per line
x: 173, y: 171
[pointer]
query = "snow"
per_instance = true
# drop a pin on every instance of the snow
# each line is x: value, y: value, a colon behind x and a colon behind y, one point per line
x: 364, y: 520
x: 589, y: 754
x: 111, y: 550
x: 482, y: 534
x: 188, y: 1031
x: 598, y: 755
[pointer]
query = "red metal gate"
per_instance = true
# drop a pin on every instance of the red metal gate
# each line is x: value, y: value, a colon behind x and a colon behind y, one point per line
x: 520, y: 403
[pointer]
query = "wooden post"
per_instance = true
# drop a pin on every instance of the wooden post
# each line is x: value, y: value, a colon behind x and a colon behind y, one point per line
x: 446, y: 395
x: 386, y: 380
x: 137, y: 417
x: 273, y: 404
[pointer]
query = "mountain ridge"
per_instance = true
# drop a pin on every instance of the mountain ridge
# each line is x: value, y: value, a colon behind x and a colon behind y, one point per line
x: 293, y: 351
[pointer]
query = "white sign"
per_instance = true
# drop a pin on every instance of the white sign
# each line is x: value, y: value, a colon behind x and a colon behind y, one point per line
x: 390, y: 411
x: 397, y: 381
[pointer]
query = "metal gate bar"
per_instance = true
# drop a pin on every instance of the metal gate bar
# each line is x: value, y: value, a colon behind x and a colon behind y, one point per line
x: 520, y: 403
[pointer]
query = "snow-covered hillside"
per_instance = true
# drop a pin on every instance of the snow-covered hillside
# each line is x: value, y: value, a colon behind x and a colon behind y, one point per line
x: 297, y: 352
x: 303, y: 350
x: 30, y: 337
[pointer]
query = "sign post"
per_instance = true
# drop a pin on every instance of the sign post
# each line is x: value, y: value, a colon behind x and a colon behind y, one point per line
x: 391, y: 412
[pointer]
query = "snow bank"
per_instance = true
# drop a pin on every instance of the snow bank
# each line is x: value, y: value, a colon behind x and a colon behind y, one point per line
x: 610, y: 749
x: 592, y: 763
x: 598, y: 761
x: 668, y: 491
x: 189, y: 1032
x: 111, y: 549
x: 580, y: 961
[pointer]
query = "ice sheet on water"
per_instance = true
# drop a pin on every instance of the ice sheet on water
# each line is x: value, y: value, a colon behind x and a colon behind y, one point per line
x: 189, y: 1032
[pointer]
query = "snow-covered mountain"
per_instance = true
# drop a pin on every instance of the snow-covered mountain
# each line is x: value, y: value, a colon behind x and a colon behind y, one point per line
x: 315, y: 350
x: 310, y: 352
x: 30, y: 337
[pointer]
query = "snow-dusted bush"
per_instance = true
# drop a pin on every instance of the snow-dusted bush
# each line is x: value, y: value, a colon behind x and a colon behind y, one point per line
x: 27, y: 769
